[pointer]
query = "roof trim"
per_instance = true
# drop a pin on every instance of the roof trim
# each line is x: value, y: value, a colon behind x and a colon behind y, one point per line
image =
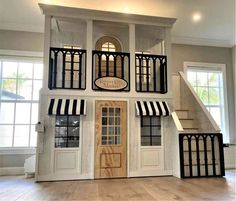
x: 88, y: 14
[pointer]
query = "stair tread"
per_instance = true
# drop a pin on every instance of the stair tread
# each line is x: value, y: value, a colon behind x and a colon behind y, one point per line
x: 182, y: 110
x: 186, y: 119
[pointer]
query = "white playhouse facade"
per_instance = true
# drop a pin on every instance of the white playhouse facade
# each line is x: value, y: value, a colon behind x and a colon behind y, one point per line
x: 110, y: 107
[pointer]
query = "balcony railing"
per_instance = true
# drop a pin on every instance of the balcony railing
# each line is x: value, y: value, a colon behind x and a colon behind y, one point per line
x: 67, y: 68
x: 115, y: 65
x: 151, y: 73
x: 201, y: 155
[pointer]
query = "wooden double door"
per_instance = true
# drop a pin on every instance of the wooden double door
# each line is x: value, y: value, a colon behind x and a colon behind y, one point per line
x: 111, y: 139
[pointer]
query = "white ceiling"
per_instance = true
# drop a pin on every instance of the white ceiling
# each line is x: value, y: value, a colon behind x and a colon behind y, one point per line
x: 216, y: 28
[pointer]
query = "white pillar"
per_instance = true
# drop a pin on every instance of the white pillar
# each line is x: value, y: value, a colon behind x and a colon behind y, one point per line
x: 89, y: 48
x: 47, y: 44
x: 168, y: 54
x: 132, y: 57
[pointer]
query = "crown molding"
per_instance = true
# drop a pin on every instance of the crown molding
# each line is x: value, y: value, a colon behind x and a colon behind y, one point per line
x: 202, y: 41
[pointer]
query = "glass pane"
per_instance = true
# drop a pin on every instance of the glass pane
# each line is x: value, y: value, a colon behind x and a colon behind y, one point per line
x: 37, y: 87
x: 33, y: 137
x: 60, y: 142
x: 73, y: 131
x: 9, y: 89
x: 202, y: 93
x: 215, y: 112
x: 61, y: 132
x: 146, y: 121
x: 24, y: 89
x: 104, y: 121
x: 9, y: 70
x: 61, y: 121
x: 117, y: 131
x: 74, y: 121
x: 117, y: 112
x: 156, y: 141
x: 21, y: 137
x: 213, y: 79
x: 104, y: 131
x: 202, y: 79
x: 104, y: 111
x: 6, y: 135
x: 214, y: 96
x: 192, y: 78
x: 111, y: 120
x: 145, y: 131
x: 117, y: 121
x: 7, y: 113
x: 156, y: 121
x: 34, y: 113
x: 156, y: 131
x: 111, y: 111
x: 73, y: 143
x: 25, y: 70
x: 38, y: 71
x: 22, y: 113
x: 111, y: 130
x: 145, y: 141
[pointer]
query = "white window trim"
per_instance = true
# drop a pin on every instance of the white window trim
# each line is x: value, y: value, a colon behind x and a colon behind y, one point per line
x: 18, y: 55
x: 222, y: 68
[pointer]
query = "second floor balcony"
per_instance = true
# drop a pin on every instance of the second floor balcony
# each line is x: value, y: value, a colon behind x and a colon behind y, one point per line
x: 110, y: 70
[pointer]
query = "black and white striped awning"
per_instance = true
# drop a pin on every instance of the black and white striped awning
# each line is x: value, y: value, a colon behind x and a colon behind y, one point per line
x: 67, y: 107
x: 152, y: 108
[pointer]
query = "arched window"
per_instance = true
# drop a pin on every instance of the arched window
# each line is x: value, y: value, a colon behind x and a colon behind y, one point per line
x: 108, y: 44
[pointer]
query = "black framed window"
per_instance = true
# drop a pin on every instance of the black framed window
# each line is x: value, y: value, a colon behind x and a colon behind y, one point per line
x: 150, y: 131
x: 67, y: 131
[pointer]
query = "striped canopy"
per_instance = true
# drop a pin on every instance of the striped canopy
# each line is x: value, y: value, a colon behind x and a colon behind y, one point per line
x: 67, y: 107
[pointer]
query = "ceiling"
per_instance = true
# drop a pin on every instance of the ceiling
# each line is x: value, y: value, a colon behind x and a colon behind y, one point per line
x: 216, y: 28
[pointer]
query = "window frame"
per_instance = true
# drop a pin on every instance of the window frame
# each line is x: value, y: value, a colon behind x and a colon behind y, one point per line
x: 24, y: 57
x: 80, y: 133
x: 215, y: 67
x: 150, y: 127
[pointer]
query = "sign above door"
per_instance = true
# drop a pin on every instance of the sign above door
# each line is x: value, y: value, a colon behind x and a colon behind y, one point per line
x: 111, y: 83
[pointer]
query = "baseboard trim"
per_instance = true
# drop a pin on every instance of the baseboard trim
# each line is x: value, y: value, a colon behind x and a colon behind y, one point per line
x: 8, y: 171
x: 230, y: 166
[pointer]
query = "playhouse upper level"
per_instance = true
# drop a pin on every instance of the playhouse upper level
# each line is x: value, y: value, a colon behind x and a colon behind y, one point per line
x: 91, y: 51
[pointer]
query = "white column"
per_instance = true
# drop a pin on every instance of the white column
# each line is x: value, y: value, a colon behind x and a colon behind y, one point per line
x: 89, y: 47
x: 132, y: 57
x: 168, y: 54
x: 47, y: 44
x: 234, y: 70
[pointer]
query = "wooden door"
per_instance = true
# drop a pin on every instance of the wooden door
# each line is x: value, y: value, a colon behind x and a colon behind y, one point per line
x: 110, y: 146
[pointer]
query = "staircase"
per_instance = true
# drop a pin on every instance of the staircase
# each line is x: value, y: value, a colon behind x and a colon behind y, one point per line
x: 200, y: 141
x: 186, y: 122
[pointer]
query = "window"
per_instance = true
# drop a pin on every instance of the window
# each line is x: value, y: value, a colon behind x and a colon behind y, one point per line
x: 208, y: 83
x: 68, y: 65
x: 110, y: 126
x: 20, y: 82
x: 67, y: 131
x: 143, y: 69
x: 150, y: 131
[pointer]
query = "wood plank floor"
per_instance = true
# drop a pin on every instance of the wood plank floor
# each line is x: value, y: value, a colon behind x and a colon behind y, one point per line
x: 140, y: 189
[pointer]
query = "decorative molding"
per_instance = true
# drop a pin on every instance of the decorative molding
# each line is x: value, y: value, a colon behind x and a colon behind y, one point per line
x: 202, y: 41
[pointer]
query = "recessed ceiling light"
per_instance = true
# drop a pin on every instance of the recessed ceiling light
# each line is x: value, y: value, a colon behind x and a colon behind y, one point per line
x: 196, y: 17
x: 126, y: 9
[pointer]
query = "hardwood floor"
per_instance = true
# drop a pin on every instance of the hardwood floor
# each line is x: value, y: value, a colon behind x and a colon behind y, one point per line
x: 141, y: 189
